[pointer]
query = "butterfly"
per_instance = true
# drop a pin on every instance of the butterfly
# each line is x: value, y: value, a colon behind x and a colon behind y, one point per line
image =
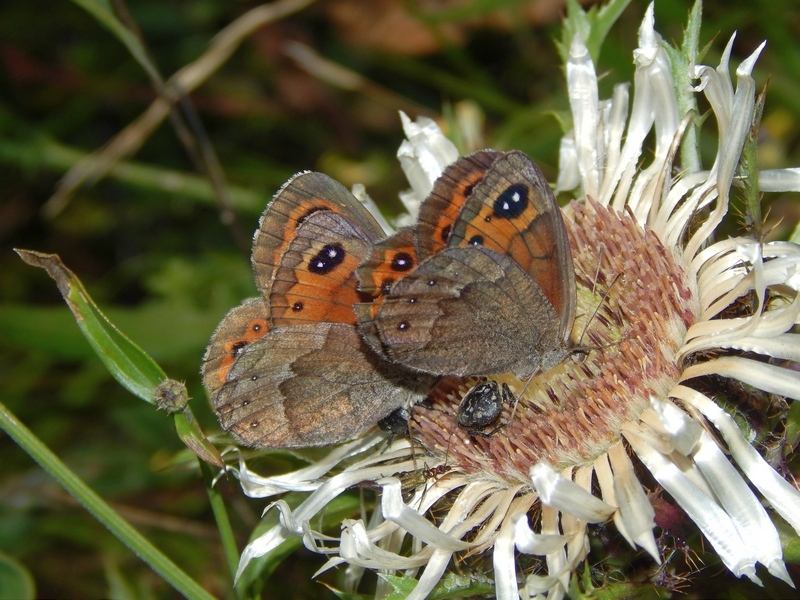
x: 289, y: 368
x: 485, y: 282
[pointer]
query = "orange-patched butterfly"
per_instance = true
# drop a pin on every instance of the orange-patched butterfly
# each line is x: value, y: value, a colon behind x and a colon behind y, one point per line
x: 484, y: 285
x: 289, y: 369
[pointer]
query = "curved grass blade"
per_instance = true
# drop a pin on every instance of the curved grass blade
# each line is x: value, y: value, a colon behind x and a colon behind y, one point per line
x: 15, y: 580
x: 102, y: 11
x: 98, y: 507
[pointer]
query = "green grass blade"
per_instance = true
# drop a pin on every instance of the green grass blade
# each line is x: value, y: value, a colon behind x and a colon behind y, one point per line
x: 102, y: 12
x: 223, y: 522
x: 162, y: 565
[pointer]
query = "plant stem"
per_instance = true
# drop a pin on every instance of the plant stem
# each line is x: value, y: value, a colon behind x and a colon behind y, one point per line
x: 221, y: 516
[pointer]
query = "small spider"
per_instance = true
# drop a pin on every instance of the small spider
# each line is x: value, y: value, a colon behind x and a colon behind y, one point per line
x: 482, y: 406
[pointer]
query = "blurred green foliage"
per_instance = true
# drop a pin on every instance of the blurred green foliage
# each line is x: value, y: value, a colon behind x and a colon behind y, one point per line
x: 150, y: 244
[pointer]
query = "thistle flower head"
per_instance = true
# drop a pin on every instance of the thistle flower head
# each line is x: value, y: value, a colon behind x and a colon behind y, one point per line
x: 665, y: 313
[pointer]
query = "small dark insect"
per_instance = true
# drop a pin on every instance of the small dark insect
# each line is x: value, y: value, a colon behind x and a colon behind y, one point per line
x: 432, y: 472
x: 396, y: 422
x: 481, y: 407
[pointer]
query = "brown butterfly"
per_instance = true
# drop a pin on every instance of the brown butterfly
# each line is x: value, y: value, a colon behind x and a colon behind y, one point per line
x: 289, y: 369
x: 488, y: 284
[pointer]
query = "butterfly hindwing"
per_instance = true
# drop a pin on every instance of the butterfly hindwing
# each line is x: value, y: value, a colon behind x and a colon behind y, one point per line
x: 495, y: 288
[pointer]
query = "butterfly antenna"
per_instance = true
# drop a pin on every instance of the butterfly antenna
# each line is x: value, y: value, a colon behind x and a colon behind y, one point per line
x: 600, y: 255
x: 518, y: 396
x: 597, y: 308
x: 585, y: 327
x: 411, y: 440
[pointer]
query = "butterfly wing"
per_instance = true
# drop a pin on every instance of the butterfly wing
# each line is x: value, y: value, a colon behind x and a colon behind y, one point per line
x: 311, y: 385
x: 465, y: 312
x: 303, y: 195
x: 512, y: 210
x: 396, y: 256
x: 311, y: 380
x: 239, y: 328
x: 451, y: 191
x: 504, y: 292
x: 389, y: 260
x: 315, y: 281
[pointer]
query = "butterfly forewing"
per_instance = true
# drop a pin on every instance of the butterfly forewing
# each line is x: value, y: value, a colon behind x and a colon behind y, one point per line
x: 289, y: 369
x: 513, y: 211
x: 303, y: 195
x: 450, y: 192
x: 316, y: 279
x: 389, y: 261
x: 453, y: 315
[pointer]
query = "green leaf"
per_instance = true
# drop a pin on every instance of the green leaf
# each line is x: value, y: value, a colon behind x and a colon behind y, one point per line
x: 795, y: 237
x: 791, y: 551
x: 129, y: 364
x: 191, y: 435
x: 16, y: 582
x: 450, y: 586
x: 748, y: 171
x: 101, y: 511
x: 592, y: 25
x: 691, y: 35
x: 681, y: 62
x: 402, y: 586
